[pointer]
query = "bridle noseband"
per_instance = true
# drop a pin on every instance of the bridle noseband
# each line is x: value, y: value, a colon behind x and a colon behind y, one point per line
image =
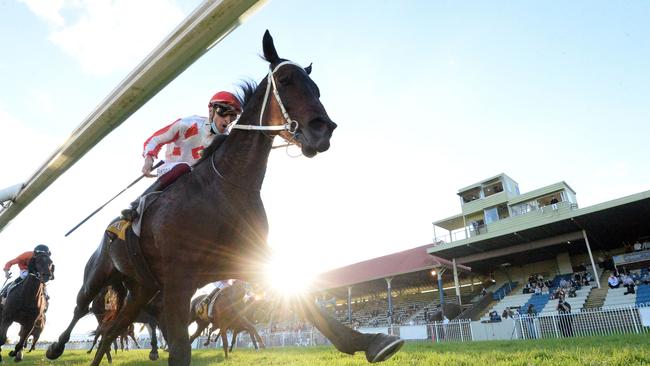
x: 290, y: 125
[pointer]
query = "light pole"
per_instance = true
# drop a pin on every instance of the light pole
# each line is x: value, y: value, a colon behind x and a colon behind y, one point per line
x: 439, y: 271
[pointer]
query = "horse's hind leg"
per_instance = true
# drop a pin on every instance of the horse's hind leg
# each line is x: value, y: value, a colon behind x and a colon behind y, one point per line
x: 153, y: 355
x: 235, y: 331
x: 137, y: 297
x: 378, y: 347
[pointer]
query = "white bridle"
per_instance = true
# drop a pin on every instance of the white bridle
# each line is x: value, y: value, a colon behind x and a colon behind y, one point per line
x: 290, y: 125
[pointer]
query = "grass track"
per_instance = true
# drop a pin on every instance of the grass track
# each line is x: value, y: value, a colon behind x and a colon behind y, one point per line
x: 612, y: 350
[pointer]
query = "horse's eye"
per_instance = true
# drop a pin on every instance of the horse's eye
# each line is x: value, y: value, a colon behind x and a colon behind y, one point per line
x: 285, y: 80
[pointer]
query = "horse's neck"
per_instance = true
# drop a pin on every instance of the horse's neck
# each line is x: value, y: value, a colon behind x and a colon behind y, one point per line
x: 242, y: 159
x: 31, y: 286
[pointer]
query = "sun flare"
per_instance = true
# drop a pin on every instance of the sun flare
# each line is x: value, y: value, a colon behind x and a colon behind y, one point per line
x: 288, y: 274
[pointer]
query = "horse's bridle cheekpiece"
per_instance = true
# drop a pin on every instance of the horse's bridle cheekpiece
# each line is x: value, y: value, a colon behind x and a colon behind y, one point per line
x: 291, y: 125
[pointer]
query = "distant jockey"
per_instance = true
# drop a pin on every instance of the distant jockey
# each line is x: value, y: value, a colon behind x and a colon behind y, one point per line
x: 22, y: 261
x: 185, y: 139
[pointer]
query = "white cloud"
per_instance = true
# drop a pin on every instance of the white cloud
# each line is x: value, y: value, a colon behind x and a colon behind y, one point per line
x: 105, y: 35
x: 21, y: 143
x: 49, y: 10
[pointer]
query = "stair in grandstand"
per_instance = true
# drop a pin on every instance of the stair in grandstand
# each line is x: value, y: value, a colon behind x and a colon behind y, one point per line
x: 597, y: 296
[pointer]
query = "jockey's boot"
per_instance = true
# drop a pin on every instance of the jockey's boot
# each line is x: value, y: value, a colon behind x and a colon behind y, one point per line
x: 130, y: 214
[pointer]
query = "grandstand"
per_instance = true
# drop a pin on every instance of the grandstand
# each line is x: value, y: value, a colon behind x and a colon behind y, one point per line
x: 486, y: 254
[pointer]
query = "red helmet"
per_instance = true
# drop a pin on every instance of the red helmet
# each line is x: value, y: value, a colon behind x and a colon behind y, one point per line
x: 225, y: 97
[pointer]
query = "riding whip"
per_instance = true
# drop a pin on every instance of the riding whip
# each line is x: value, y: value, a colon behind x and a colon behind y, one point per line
x: 114, y: 197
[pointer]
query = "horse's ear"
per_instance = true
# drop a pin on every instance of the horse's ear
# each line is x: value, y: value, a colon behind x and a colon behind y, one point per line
x: 308, y: 69
x: 270, y: 54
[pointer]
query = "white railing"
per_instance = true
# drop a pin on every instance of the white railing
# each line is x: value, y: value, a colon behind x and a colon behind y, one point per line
x: 453, y: 331
x: 589, y: 322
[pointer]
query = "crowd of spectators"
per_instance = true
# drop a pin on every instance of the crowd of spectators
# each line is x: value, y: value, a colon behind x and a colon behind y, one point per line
x: 628, y: 279
x: 637, y: 246
x: 537, y: 285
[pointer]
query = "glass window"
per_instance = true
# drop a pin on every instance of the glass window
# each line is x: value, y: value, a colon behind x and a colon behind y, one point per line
x: 491, y: 215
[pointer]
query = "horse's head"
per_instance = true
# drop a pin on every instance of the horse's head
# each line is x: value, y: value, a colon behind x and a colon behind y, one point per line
x: 295, y: 103
x: 42, y: 267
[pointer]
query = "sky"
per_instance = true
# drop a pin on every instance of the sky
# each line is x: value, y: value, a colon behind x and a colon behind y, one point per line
x: 429, y: 97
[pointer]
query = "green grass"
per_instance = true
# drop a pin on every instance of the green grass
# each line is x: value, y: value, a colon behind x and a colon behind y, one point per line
x: 620, y: 350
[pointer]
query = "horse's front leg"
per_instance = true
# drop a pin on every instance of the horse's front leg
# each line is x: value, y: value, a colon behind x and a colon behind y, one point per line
x: 176, y: 315
x: 17, y: 353
x: 3, y: 333
x: 378, y: 347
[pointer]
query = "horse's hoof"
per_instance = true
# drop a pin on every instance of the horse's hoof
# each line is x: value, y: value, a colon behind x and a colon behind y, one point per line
x: 383, y: 347
x: 54, y: 351
x: 19, y: 356
x: 12, y: 353
x: 153, y: 356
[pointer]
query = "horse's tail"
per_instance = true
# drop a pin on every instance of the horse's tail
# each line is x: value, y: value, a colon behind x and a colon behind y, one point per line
x: 112, y: 308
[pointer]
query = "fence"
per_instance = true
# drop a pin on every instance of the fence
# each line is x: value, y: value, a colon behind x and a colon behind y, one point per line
x: 458, y: 330
x: 589, y: 322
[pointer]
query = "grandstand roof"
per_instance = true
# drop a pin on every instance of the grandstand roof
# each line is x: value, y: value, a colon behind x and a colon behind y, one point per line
x: 405, y: 262
x: 607, y: 225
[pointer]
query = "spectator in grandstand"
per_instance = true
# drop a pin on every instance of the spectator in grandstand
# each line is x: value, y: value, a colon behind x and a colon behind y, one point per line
x: 531, y: 310
x: 483, y: 291
x: 637, y: 246
x: 645, y: 278
x: 613, y: 281
x: 564, y: 310
x: 572, y: 292
x: 494, y: 317
x: 544, y: 290
x: 531, y: 279
x: 645, y: 245
x: 628, y: 283
x: 507, y: 313
x: 538, y: 290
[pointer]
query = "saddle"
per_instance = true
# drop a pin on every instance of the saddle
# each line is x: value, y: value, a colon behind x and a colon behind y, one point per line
x: 122, y: 230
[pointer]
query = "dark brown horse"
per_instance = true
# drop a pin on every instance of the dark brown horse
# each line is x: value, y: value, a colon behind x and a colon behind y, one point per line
x: 105, y: 306
x: 227, y: 313
x: 26, y: 303
x: 211, y: 224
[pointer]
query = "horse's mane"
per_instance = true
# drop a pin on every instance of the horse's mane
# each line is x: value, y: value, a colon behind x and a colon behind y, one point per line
x: 244, y: 94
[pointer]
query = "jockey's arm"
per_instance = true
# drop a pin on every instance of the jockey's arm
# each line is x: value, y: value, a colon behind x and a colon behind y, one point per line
x: 160, y: 138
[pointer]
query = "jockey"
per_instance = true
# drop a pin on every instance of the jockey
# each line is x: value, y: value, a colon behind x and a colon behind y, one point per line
x: 218, y: 286
x: 185, y: 139
x: 23, y: 263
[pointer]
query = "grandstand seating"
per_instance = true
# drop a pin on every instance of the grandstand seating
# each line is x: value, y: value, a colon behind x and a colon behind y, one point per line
x: 542, y: 303
x: 616, y: 299
x: 577, y: 303
x: 504, y: 290
x: 642, y: 295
